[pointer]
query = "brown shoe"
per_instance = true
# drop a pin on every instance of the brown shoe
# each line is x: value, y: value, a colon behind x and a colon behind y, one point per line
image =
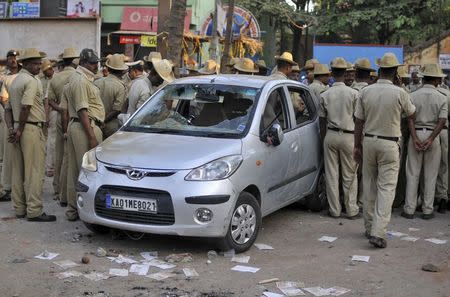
x: 378, y: 242
x: 43, y: 218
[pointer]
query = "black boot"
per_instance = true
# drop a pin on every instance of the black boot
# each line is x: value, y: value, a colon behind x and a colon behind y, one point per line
x: 6, y: 197
x: 378, y: 242
x: 43, y: 218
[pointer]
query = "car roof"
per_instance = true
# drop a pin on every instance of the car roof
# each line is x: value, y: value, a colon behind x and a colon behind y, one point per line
x: 255, y: 81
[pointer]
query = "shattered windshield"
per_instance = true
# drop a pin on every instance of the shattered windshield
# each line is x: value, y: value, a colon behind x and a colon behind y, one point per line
x: 197, y: 109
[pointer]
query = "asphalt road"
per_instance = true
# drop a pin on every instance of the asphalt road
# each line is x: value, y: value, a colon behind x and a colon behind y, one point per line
x: 297, y: 256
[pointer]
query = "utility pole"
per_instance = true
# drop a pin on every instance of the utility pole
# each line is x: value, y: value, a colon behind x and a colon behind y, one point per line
x: 228, y: 37
x: 214, y: 44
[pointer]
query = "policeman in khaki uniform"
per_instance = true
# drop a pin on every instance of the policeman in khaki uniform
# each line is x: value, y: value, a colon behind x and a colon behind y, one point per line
x: 309, y: 69
x: 113, y: 93
x: 442, y: 181
x: 26, y: 119
x: 86, y: 114
x: 362, y: 73
x: 54, y: 94
x: 320, y: 83
x: 285, y: 62
x: 336, y: 112
x: 424, y: 150
x: 378, y: 111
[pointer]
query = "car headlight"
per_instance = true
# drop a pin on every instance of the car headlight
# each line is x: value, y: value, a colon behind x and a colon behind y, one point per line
x: 218, y: 169
x: 89, y: 162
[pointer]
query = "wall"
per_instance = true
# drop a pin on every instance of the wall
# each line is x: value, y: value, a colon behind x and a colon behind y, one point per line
x: 429, y: 54
x: 50, y: 35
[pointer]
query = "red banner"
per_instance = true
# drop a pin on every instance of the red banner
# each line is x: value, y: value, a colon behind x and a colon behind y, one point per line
x: 130, y: 39
x: 146, y: 19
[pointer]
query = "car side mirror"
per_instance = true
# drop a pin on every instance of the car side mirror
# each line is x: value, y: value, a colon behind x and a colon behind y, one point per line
x: 275, y: 135
x: 123, y: 118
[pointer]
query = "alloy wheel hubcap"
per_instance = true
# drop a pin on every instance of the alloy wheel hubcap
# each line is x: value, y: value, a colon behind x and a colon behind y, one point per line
x: 243, y: 224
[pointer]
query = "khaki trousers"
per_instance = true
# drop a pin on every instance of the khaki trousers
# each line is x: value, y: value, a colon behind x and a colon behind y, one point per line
x: 381, y: 161
x: 28, y: 171
x: 429, y: 161
x: 50, y: 157
x: 77, y: 146
x: 7, y: 160
x: 338, y: 153
x: 59, y: 153
x: 110, y: 128
x: 63, y: 176
x: 442, y: 178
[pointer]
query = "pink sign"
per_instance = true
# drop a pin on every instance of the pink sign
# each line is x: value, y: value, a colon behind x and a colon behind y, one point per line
x: 146, y: 19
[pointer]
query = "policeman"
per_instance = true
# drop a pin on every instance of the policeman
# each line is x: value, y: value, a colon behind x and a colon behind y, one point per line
x: 25, y: 117
x: 336, y: 112
x: 150, y: 59
x: 46, y: 74
x: 161, y: 74
x: 245, y: 66
x: 320, y: 83
x: 211, y: 67
x: 140, y: 89
x: 285, y: 62
x: 350, y: 74
x: 424, y: 150
x: 309, y: 69
x: 378, y: 111
x: 362, y: 73
x: 86, y: 114
x: 112, y: 92
x: 415, y: 82
x: 295, y: 73
x: 54, y: 94
x: 262, y: 67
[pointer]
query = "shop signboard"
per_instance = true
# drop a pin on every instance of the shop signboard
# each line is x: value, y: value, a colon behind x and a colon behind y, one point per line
x: 146, y: 19
x: 3, y: 9
x: 129, y: 39
x: 25, y: 9
x: 149, y: 40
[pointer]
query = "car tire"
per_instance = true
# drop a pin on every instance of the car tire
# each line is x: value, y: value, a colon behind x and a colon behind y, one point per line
x: 251, y: 222
x: 98, y: 229
x: 317, y: 201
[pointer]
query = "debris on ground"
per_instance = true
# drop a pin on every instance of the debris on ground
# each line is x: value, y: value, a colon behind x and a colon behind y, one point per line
x: 65, y: 264
x: 118, y: 272
x: 77, y: 237
x: 190, y: 272
x: 19, y: 261
x: 149, y: 255
x: 410, y: 238
x: 242, y: 268
x: 436, y: 241
x: 263, y: 246
x: 122, y: 259
x: 96, y: 276
x: 85, y: 260
x: 179, y: 258
x: 229, y: 254
x: 290, y: 288
x: 271, y: 294
x: 430, y: 268
x: 46, y: 255
x: 139, y: 269
x: 358, y: 258
x: 211, y: 255
x: 327, y: 238
x: 338, y: 291
x: 100, y: 252
x: 396, y: 234
x: 268, y: 281
x: 161, y: 275
x: 241, y: 259
x: 68, y: 274
x: 413, y: 229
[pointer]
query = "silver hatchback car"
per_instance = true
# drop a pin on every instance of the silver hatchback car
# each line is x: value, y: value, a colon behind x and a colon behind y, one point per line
x: 207, y: 157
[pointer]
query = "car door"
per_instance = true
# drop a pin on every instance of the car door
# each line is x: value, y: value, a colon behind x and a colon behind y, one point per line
x: 279, y: 161
x: 307, y: 128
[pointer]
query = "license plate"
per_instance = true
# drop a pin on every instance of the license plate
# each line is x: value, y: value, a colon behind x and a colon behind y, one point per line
x: 131, y: 204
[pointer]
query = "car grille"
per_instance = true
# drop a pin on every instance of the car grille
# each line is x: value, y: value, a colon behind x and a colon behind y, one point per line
x: 148, y: 173
x: 164, y: 216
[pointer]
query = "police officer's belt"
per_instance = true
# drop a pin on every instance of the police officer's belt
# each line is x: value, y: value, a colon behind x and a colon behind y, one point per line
x: 39, y: 124
x: 428, y: 129
x: 339, y: 130
x: 97, y: 122
x: 382, y: 137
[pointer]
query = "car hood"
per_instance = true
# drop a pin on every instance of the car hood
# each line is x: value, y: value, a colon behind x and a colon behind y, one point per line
x: 164, y: 151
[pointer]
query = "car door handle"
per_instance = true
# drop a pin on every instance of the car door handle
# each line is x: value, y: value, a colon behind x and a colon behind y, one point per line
x: 294, y: 147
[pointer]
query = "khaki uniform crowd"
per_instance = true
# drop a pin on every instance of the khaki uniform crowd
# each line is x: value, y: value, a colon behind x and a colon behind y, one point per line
x: 372, y: 125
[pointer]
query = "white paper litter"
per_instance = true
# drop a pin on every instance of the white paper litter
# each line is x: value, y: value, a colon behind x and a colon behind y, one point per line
x: 436, y: 241
x: 118, y: 272
x: 190, y: 272
x: 263, y: 246
x: 122, y: 259
x: 337, y: 291
x: 245, y: 269
x: 139, y: 269
x: 65, y: 264
x: 317, y: 291
x: 67, y: 274
x: 241, y: 259
x: 160, y: 264
x: 396, y: 234
x: 290, y: 288
x: 270, y: 294
x: 360, y: 258
x: 413, y: 229
x: 149, y: 255
x: 46, y: 256
x: 161, y: 275
x: 96, y: 276
x: 410, y: 238
x: 327, y: 238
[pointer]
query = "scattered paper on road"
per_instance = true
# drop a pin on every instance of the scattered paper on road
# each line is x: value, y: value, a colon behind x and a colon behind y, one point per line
x: 436, y: 241
x: 46, y: 256
x: 190, y: 272
x: 161, y: 264
x: 290, y: 288
x: 360, y: 258
x: 263, y: 246
x: 396, y: 234
x: 118, y: 272
x: 149, y: 255
x: 67, y: 274
x: 413, y: 229
x: 160, y: 275
x: 317, y: 291
x: 96, y: 276
x: 241, y: 259
x: 410, y: 238
x: 242, y: 268
x: 327, y: 238
x: 270, y: 294
x: 268, y: 281
x: 65, y: 264
x: 337, y: 291
x: 139, y: 269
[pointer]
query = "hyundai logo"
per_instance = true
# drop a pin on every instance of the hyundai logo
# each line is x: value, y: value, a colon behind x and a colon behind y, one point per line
x: 136, y: 174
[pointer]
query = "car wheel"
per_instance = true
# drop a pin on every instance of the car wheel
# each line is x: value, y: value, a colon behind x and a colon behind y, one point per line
x: 317, y: 201
x: 244, y: 224
x: 98, y: 229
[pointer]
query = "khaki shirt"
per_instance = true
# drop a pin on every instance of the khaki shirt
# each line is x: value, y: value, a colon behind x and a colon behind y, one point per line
x: 140, y: 91
x: 57, y: 83
x: 83, y: 94
x: 26, y: 89
x: 430, y: 106
x: 278, y: 75
x: 45, y: 81
x: 413, y: 87
x: 4, y: 95
x: 317, y: 88
x: 338, y: 106
x: 112, y: 92
x: 380, y: 106
x: 359, y: 85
